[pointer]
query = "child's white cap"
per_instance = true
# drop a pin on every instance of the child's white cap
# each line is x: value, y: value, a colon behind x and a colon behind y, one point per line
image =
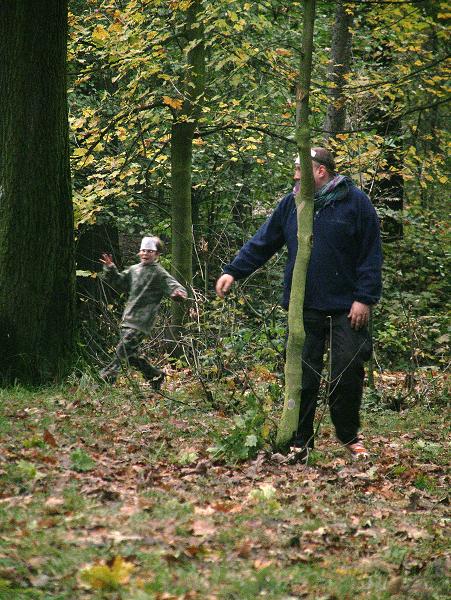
x: 149, y: 243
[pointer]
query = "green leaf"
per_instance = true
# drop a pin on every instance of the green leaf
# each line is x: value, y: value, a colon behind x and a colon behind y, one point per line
x: 251, y: 441
x: 81, y: 461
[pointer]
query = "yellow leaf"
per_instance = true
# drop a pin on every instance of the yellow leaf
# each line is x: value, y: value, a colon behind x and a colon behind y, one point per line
x: 172, y: 102
x: 121, y: 133
x: 266, y: 430
x: 105, y: 577
x: 116, y: 28
x: 100, y: 34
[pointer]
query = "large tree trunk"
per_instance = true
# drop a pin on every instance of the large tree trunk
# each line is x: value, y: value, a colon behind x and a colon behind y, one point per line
x: 36, y: 223
x: 304, y: 204
x: 340, y: 56
x: 181, y: 157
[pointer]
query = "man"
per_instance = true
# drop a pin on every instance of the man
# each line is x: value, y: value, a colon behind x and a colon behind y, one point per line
x: 343, y: 282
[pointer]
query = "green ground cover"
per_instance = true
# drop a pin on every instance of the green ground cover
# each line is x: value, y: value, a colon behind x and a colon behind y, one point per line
x: 112, y: 493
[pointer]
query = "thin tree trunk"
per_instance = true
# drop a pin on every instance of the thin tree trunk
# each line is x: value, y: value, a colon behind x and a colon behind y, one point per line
x: 304, y: 205
x: 338, y: 68
x: 181, y: 159
x: 37, y: 272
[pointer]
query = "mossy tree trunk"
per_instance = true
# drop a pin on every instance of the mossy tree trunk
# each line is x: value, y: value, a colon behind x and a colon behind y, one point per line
x: 181, y: 158
x: 304, y: 205
x: 37, y: 275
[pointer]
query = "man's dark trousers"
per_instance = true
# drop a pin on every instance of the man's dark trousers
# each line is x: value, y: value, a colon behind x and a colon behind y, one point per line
x: 349, y: 349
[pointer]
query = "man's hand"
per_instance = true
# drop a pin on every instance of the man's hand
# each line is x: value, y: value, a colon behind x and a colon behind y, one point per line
x: 224, y: 284
x: 179, y: 294
x: 107, y: 259
x: 359, y: 315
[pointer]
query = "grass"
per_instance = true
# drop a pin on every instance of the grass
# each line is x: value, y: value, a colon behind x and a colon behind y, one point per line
x: 111, y: 493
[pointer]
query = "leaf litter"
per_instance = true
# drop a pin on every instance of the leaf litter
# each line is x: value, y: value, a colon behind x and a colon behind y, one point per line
x: 148, y: 492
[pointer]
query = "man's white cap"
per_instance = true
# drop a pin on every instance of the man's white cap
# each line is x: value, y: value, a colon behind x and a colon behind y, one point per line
x: 297, y: 160
x: 149, y: 243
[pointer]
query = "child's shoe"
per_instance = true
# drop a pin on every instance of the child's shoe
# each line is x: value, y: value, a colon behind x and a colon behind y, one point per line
x: 157, y: 381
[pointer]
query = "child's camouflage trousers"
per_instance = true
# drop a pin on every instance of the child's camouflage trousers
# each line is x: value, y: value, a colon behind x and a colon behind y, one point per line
x: 127, y: 353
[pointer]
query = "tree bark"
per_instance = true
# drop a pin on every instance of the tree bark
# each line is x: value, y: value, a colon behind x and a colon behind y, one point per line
x: 388, y: 189
x: 304, y: 205
x: 37, y: 272
x: 338, y: 68
x: 181, y: 159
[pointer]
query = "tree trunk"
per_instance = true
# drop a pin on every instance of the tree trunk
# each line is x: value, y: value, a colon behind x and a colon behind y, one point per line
x: 181, y: 158
x: 182, y: 252
x: 338, y: 68
x: 388, y: 189
x: 304, y: 205
x: 37, y: 275
x: 91, y: 242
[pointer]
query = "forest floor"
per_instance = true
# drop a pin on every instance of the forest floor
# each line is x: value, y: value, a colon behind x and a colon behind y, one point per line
x: 111, y: 492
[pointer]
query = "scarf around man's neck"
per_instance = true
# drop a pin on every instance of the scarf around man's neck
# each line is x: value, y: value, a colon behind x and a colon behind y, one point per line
x: 334, y: 190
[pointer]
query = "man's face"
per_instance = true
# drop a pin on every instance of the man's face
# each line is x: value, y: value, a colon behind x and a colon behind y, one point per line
x: 148, y: 256
x: 320, y: 174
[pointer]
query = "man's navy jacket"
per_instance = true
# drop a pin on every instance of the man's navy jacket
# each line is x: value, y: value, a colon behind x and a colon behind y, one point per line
x: 346, y: 257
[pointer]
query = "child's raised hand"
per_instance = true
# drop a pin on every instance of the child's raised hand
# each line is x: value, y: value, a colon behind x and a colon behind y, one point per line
x: 179, y: 294
x: 107, y: 259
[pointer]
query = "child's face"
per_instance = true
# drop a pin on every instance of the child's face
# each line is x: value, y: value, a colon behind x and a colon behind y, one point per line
x: 148, y: 256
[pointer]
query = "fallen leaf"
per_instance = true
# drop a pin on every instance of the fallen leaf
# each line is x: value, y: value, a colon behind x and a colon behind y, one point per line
x: 49, y: 439
x: 53, y: 505
x: 35, y: 562
x: 194, y: 550
x: 394, y: 585
x: 203, y: 527
x: 244, y: 550
x: 38, y: 581
x: 102, y: 576
x: 415, y: 534
x: 208, y: 510
x: 46, y: 523
x: 262, y: 564
x: 202, y: 467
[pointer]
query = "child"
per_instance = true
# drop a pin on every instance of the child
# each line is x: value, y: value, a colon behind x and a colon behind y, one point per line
x: 147, y: 283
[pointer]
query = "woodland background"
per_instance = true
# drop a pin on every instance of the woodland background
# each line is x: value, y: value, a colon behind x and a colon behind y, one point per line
x: 128, y: 70
x: 178, y: 119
